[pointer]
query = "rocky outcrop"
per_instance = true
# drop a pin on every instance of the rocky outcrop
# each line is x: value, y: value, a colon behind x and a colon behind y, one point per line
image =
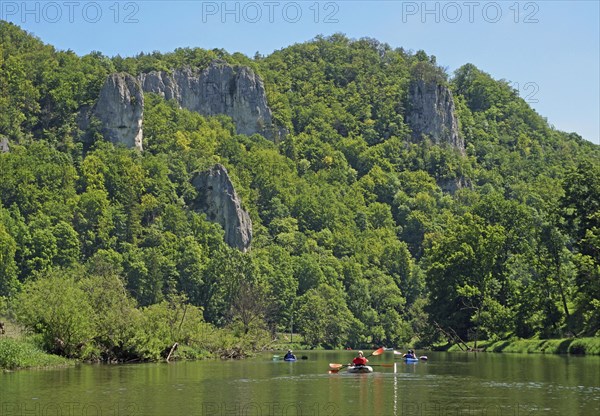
x: 219, y: 89
x: 218, y: 199
x: 120, y: 109
x: 452, y: 185
x: 431, y: 113
x: 4, y: 148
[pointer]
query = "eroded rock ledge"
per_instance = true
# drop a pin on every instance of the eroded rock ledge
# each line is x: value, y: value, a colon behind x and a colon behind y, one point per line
x: 120, y: 109
x: 218, y: 89
x: 432, y: 113
x: 219, y: 201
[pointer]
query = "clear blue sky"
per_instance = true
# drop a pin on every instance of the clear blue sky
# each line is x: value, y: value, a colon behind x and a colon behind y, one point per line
x: 549, y: 49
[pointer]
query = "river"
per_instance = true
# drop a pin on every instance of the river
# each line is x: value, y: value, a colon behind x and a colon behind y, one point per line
x: 448, y: 384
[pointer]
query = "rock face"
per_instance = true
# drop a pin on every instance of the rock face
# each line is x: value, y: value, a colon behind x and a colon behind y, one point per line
x: 219, y: 89
x: 120, y: 109
x: 432, y: 113
x: 452, y: 185
x: 4, y: 148
x: 218, y: 199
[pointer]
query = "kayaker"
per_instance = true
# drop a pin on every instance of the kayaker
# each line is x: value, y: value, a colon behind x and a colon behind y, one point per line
x: 360, y: 359
x: 289, y: 356
x: 410, y: 354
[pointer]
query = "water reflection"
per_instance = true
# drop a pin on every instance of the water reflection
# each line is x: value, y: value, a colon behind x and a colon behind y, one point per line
x: 448, y: 384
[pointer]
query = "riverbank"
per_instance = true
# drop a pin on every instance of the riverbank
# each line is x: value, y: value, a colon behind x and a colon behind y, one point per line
x: 579, y: 346
x: 22, y: 350
x: 22, y: 354
x: 18, y: 351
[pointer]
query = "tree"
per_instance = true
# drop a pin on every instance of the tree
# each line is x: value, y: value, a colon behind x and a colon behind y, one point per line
x: 191, y: 261
x: 67, y: 244
x: 460, y: 274
x: 324, y: 319
x: 8, y: 267
x: 114, y: 317
x: 56, y: 307
x: 275, y: 266
x: 249, y: 305
x: 93, y: 221
x: 581, y: 208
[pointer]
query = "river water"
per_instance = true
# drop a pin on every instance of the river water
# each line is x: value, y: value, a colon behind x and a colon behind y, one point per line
x: 448, y: 384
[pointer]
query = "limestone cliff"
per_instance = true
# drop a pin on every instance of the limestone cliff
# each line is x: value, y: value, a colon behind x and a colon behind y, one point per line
x: 4, y: 148
x: 431, y: 112
x: 219, y: 89
x: 218, y: 199
x: 120, y: 109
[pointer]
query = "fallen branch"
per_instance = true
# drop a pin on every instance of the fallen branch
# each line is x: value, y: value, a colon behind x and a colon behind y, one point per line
x: 460, y: 340
x: 453, y: 338
x: 173, y: 348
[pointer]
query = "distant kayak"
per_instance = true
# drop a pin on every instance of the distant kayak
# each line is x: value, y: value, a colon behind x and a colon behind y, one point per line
x: 283, y: 358
x: 407, y: 359
x: 360, y: 369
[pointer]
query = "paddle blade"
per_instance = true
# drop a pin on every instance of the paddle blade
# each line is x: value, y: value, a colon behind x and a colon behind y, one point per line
x: 398, y: 352
x: 378, y: 351
x: 335, y: 366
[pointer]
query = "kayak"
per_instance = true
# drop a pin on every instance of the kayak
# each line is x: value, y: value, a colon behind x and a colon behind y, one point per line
x: 360, y: 369
x: 410, y: 360
x: 289, y: 359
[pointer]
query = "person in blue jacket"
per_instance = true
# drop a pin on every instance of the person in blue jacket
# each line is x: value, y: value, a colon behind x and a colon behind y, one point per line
x: 410, y: 354
x: 289, y: 356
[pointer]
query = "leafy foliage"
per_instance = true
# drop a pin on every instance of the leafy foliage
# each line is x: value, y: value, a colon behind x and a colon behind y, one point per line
x: 355, y: 240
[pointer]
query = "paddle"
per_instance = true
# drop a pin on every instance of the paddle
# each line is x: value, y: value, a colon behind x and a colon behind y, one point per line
x: 334, y: 367
x: 337, y: 367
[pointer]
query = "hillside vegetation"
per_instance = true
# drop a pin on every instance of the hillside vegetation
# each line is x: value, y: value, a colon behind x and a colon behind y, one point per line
x: 355, y: 243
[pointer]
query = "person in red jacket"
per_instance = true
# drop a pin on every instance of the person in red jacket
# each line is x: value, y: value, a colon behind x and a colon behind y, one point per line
x: 360, y: 360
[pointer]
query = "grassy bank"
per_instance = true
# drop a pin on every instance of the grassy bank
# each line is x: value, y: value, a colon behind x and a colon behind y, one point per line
x: 587, y: 346
x: 18, y: 354
x: 18, y: 351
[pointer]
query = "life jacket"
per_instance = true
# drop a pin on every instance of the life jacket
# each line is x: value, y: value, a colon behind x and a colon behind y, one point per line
x: 359, y: 361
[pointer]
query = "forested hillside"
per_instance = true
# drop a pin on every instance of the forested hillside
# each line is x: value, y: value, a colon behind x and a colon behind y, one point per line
x: 358, y: 239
